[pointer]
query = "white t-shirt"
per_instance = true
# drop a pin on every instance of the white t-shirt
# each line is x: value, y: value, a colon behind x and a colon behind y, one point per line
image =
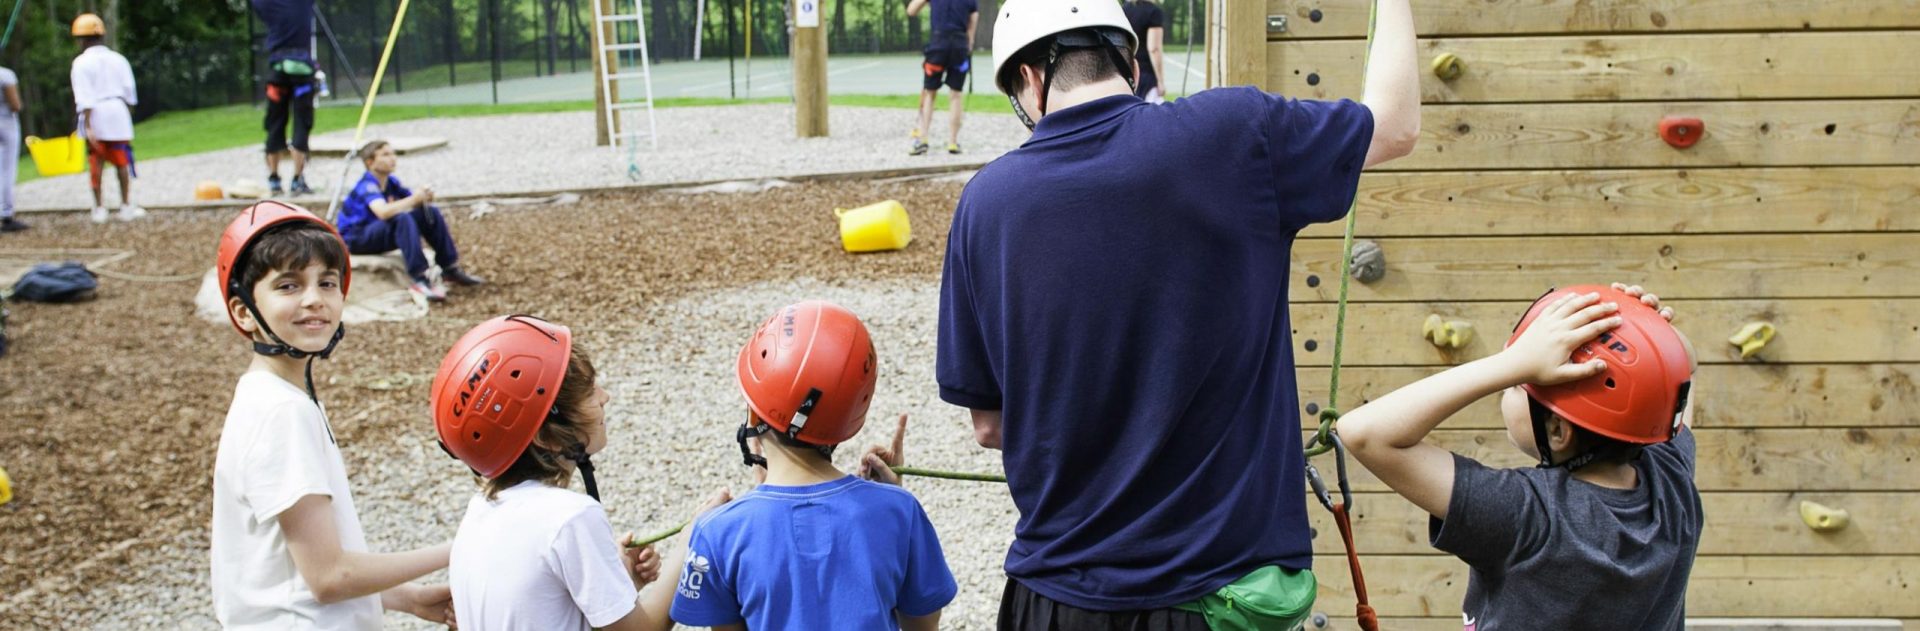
x: 275, y: 449
x: 103, y: 82
x: 539, y: 558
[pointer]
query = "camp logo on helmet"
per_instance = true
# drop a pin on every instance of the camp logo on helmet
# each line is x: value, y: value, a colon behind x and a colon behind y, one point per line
x: 470, y: 393
x: 787, y: 320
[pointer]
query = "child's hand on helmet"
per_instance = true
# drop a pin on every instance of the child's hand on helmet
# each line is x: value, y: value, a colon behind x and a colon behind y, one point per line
x: 1645, y: 298
x: 642, y: 563
x: 1542, y: 354
x: 878, y: 462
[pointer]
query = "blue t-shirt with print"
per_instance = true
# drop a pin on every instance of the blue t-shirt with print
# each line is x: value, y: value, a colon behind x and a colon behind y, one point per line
x: 1117, y: 288
x: 357, y: 208
x: 844, y: 554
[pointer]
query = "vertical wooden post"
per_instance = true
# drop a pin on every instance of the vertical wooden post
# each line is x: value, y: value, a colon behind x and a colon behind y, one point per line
x: 1245, y: 48
x: 809, y: 69
x: 603, y: 63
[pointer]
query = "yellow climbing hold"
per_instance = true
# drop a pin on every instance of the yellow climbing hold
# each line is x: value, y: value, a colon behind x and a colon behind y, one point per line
x: 1823, y: 518
x: 6, y: 487
x: 1448, y: 66
x: 1446, y: 333
x: 874, y: 227
x: 1752, y: 337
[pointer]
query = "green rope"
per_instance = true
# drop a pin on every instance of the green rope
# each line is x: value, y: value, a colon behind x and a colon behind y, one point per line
x: 658, y: 536
x: 10, y: 22
x: 1322, y: 440
x: 950, y: 475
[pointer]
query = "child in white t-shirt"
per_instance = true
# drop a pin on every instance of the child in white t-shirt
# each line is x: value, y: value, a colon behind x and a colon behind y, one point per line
x: 516, y: 402
x: 287, y: 546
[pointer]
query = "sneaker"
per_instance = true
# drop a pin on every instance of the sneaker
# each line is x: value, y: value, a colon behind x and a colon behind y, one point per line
x: 953, y: 148
x: 131, y: 212
x: 919, y: 147
x: 425, y: 290
x: 12, y: 225
x: 458, y: 276
x: 99, y: 214
x: 300, y: 186
x: 273, y: 185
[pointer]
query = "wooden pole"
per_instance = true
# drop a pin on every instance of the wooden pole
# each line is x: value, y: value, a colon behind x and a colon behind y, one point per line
x: 603, y: 63
x: 809, y: 70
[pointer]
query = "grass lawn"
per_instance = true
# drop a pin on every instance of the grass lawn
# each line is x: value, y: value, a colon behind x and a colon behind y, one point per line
x: 182, y: 133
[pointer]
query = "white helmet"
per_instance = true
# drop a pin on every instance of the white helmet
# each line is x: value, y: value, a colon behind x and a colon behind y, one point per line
x: 1023, y: 22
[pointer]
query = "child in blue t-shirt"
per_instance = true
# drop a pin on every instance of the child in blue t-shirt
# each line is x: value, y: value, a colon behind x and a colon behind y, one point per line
x: 812, y: 547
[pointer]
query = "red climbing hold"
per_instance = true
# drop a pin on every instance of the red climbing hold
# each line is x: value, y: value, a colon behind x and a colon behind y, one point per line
x: 1682, y: 131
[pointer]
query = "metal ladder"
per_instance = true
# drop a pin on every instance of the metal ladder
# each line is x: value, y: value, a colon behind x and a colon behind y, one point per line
x: 611, y: 47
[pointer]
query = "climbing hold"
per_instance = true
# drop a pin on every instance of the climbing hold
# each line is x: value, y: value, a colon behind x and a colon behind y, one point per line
x: 208, y: 190
x: 1448, y: 67
x: 1682, y: 131
x: 1446, y: 333
x: 874, y: 227
x: 1369, y: 262
x: 6, y: 488
x: 1822, y: 518
x: 1752, y: 337
x: 1320, y: 620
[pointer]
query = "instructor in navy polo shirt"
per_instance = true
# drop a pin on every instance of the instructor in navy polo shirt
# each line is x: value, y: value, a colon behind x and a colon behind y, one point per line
x: 1113, y: 312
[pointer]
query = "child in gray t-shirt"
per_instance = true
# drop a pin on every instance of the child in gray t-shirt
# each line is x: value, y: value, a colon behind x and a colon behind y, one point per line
x: 1602, y: 534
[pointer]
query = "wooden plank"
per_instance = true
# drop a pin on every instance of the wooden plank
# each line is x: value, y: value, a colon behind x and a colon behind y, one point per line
x: 1435, y: 18
x: 1805, y: 395
x: 1705, y: 266
x: 1737, y: 523
x: 1666, y: 201
x: 1801, y: 460
x: 1625, y: 135
x: 1825, y: 586
x: 1623, y: 68
x: 1810, y: 331
x: 1244, y: 49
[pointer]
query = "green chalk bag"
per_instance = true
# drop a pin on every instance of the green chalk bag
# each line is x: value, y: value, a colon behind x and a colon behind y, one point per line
x: 1269, y: 599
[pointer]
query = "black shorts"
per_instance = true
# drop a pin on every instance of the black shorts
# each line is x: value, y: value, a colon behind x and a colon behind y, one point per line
x: 289, y: 96
x: 1023, y: 610
x: 947, y: 61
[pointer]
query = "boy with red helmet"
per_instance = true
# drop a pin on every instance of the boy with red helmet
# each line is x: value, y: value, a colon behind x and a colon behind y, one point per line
x: 812, y: 547
x: 1602, y: 533
x: 287, y: 548
x: 517, y: 403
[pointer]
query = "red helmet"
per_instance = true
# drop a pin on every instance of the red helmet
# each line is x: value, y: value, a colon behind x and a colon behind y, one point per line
x: 809, y: 372
x: 241, y: 233
x: 1640, y: 397
x: 496, y: 387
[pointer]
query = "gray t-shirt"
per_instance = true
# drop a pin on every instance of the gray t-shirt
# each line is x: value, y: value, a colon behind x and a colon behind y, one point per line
x: 7, y: 78
x: 1548, y: 551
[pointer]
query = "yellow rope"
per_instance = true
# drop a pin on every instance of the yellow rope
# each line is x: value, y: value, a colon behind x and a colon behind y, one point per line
x: 366, y: 108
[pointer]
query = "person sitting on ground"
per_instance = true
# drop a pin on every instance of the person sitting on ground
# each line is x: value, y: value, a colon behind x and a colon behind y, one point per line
x: 380, y: 215
x: 532, y: 554
x: 812, y: 547
x: 1595, y: 385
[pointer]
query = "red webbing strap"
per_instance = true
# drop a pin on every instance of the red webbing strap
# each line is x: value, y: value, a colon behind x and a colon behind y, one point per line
x: 1362, y: 611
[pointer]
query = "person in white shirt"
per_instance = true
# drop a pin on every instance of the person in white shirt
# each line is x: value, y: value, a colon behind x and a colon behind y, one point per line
x: 287, y: 548
x: 103, y: 93
x: 9, y: 148
x: 516, y: 402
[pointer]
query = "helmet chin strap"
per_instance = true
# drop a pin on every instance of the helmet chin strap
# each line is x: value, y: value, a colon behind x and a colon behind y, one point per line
x: 578, y: 454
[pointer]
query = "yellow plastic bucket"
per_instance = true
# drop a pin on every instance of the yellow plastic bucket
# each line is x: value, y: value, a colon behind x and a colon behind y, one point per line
x: 874, y: 227
x: 58, y: 156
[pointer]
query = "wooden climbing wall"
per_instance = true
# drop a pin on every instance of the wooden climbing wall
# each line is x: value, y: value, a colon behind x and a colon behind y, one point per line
x: 1541, y: 164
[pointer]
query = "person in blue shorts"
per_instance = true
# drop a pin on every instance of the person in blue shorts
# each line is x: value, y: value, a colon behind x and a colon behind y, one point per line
x: 949, y: 59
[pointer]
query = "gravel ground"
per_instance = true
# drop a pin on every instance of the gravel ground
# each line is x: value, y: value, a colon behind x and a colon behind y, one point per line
x: 541, y: 152
x: 120, y: 400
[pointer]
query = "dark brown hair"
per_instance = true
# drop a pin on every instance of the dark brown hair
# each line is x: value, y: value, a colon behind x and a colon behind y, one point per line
x: 1076, y: 67
x: 290, y: 246
x: 545, y: 460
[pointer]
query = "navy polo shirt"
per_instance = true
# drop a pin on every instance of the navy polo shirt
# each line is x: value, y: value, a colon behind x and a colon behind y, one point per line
x: 952, y: 16
x: 289, y: 27
x: 1117, y: 288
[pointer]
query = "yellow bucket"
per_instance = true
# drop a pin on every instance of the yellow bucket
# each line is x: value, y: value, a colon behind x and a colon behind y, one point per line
x: 874, y: 227
x: 58, y: 156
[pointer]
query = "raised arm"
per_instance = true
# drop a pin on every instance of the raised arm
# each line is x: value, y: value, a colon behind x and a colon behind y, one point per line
x: 1392, y: 84
x: 914, y: 7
